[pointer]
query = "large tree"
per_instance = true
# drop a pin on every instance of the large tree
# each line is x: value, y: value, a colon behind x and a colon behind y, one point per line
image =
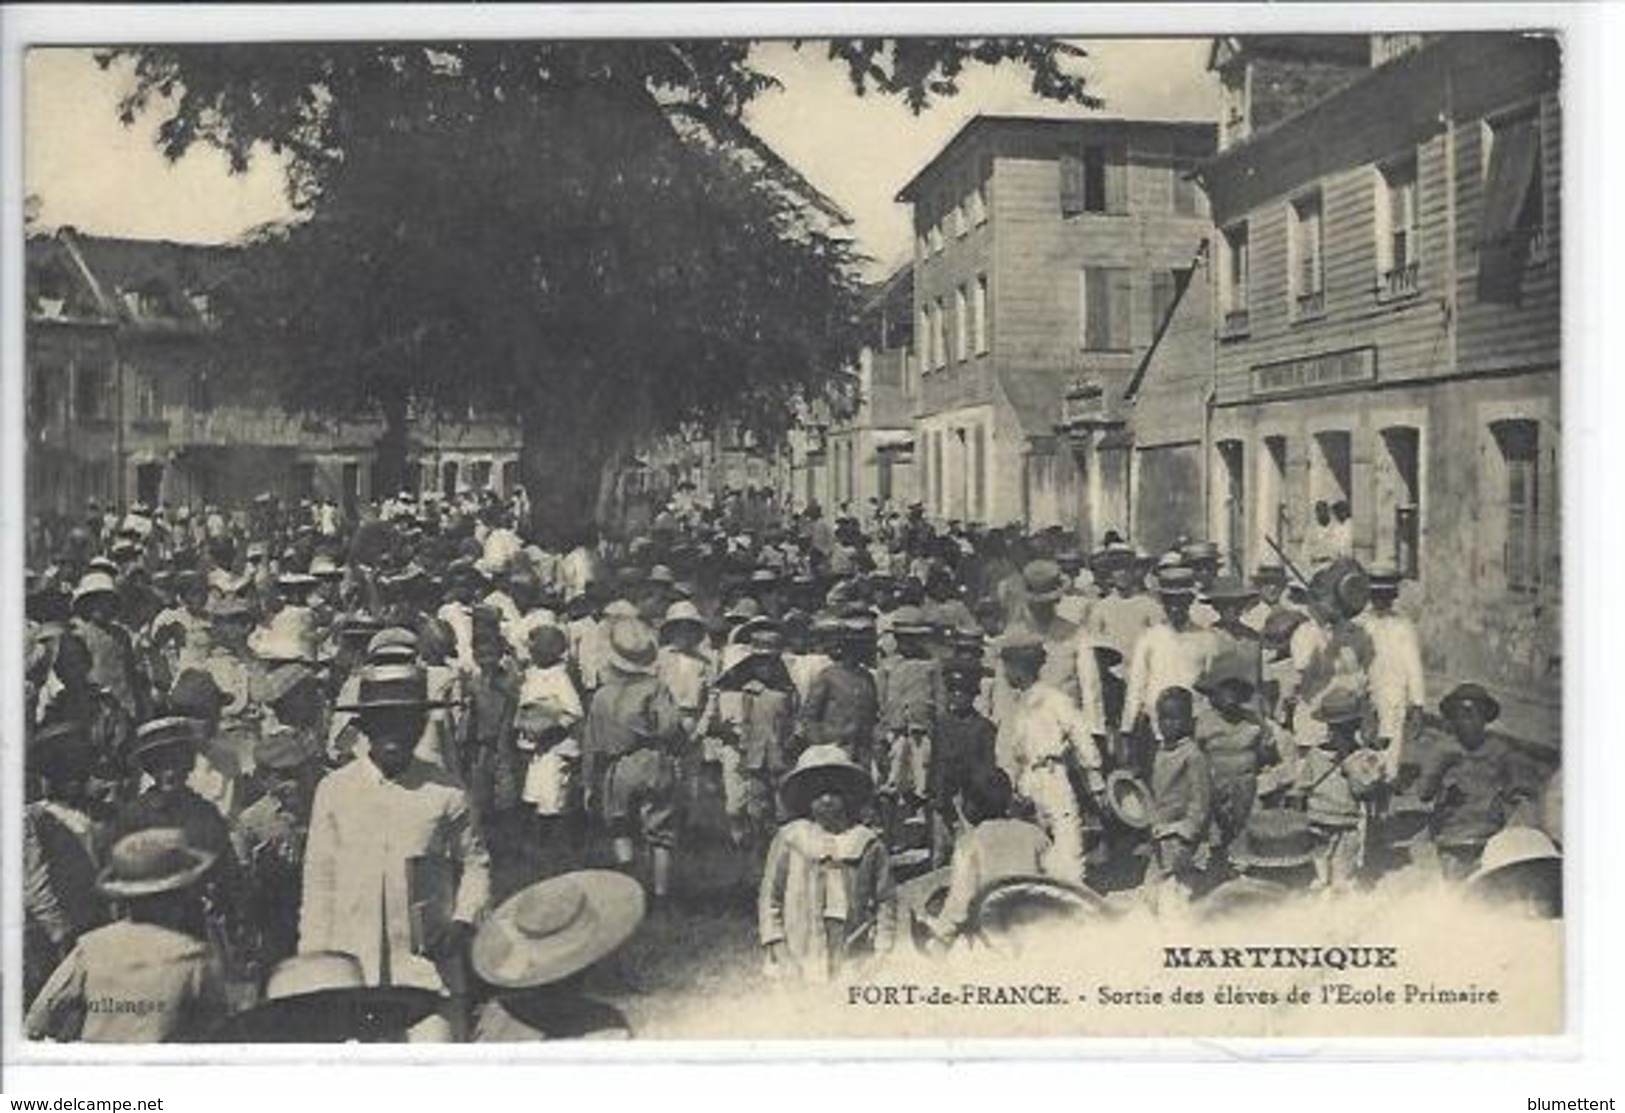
x: 585, y: 235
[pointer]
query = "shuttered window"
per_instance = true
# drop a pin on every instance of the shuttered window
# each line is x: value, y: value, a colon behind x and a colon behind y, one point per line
x: 961, y: 326
x: 979, y: 315
x: 1519, y: 443
x: 979, y: 474
x: 1106, y: 308
x: 1163, y: 290
x: 1072, y: 198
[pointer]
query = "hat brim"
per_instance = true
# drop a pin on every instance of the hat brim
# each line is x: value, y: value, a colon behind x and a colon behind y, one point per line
x: 1051, y: 596
x: 361, y: 706
x: 995, y: 908
x: 329, y: 1016
x: 1244, y: 858
x: 1540, y: 876
x: 801, y: 786
x: 1122, y: 787
x: 630, y: 667
x: 1491, y: 705
x: 120, y: 889
x: 504, y: 957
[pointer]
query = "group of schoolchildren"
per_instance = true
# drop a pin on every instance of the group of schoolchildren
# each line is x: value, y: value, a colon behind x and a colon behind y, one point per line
x: 894, y: 724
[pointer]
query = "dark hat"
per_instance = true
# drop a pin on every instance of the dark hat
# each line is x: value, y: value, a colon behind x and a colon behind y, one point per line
x: 1230, y: 589
x: 61, y: 749
x: 159, y: 734
x: 1269, y: 573
x: 1176, y: 580
x: 1384, y: 577
x: 1229, y: 683
x: 283, y: 750
x: 960, y: 673
x: 910, y: 620
x: 548, y: 641
x: 1199, y: 551
x: 1279, y: 626
x: 230, y: 607
x: 195, y: 695
x: 1044, y: 580
x: 1342, y: 584
x: 392, y: 685
x: 359, y: 627
x: 152, y: 861
x: 1470, y: 693
x: 1339, y: 705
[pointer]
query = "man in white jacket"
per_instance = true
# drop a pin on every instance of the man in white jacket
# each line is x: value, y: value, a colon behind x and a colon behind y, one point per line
x: 396, y: 872
x: 1398, y: 687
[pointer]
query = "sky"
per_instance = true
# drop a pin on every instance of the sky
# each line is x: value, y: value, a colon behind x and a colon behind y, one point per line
x: 90, y: 171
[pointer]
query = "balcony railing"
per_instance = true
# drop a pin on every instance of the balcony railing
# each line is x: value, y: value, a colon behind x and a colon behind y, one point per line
x: 1311, y: 305
x: 1236, y: 322
x: 1400, y: 281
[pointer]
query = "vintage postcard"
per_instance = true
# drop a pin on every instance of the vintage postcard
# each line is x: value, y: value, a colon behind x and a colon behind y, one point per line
x: 763, y: 539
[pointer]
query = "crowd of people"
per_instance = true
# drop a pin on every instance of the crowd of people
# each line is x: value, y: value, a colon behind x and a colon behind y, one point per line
x: 276, y: 755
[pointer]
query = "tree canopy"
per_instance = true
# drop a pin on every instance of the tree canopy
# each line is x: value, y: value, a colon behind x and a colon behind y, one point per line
x: 584, y: 234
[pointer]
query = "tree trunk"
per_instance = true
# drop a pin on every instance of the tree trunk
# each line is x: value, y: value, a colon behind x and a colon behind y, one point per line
x: 563, y: 460
x: 392, y: 447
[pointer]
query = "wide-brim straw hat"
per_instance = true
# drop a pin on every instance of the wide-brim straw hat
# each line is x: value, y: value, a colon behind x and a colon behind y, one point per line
x: 681, y: 613
x: 820, y: 769
x: 322, y: 997
x: 153, y: 861
x: 633, y: 649
x: 1128, y: 799
x: 1044, y: 581
x: 92, y: 584
x: 1015, y: 902
x: 555, y: 928
x: 1274, y: 838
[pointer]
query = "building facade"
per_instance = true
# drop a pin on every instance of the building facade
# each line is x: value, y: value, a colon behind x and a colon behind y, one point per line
x: 127, y: 400
x: 1387, y: 304
x: 865, y: 459
x: 1047, y: 259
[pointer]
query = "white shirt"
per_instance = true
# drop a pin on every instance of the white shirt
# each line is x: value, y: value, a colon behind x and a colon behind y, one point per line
x: 1042, y: 725
x: 363, y: 830
x: 1164, y: 658
x: 1396, y: 677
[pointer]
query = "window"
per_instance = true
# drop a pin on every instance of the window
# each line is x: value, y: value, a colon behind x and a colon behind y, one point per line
x: 922, y: 338
x: 979, y: 473
x: 936, y: 471
x: 1233, y: 279
x: 146, y: 398
x: 1105, y: 304
x: 979, y: 315
x: 961, y: 326
x: 921, y: 247
x: 1186, y: 201
x: 934, y: 238
x: 978, y: 206
x: 199, y: 395
x: 1232, y: 533
x: 1273, y: 500
x: 1397, y: 228
x: 479, y: 475
x: 1512, y: 223
x: 92, y: 394
x: 939, y: 333
x: 44, y: 397
x: 1096, y: 181
x: 961, y: 222
x: 1519, y: 444
x: 1308, y: 263
x: 1164, y: 290
x: 1399, y: 498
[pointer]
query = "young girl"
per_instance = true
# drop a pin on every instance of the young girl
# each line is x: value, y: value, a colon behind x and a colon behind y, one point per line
x: 827, y: 896
x: 549, y: 711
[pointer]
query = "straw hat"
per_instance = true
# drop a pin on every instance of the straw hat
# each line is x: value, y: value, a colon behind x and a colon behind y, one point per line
x: 170, y: 730
x: 1045, y: 581
x: 1230, y: 589
x: 632, y: 649
x: 820, y: 769
x: 92, y: 584
x: 324, y: 567
x: 323, y: 997
x: 681, y: 613
x: 1274, y: 838
x: 392, y: 685
x: 394, y: 645
x: 1128, y: 799
x: 1176, y: 580
x: 1012, y: 903
x: 555, y: 928
x: 156, y: 860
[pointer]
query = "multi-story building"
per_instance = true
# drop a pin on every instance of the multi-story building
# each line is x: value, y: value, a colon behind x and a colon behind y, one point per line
x: 127, y: 402
x: 866, y: 457
x: 1388, y: 321
x: 1049, y: 256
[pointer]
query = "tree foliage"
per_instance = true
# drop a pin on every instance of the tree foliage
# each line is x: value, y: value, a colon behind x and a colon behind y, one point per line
x: 584, y: 234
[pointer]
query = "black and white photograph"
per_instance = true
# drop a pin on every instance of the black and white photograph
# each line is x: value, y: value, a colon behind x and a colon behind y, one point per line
x: 758, y: 538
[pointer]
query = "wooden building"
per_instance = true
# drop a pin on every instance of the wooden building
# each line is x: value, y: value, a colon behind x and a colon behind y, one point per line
x: 1388, y: 336
x: 128, y: 401
x: 1048, y: 256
